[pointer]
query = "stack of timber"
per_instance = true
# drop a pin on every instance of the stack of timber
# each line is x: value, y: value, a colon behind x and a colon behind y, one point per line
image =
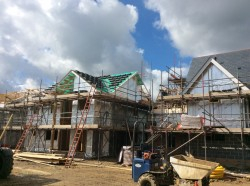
x: 40, y: 157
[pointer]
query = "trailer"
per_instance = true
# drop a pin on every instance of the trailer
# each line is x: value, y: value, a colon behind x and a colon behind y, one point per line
x: 189, y: 168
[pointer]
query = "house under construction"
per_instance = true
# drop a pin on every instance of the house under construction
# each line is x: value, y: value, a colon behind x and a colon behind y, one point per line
x: 207, y: 113
x: 81, y: 114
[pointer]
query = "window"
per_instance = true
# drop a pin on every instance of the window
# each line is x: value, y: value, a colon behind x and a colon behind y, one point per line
x: 81, y: 104
x: 36, y: 110
x: 48, y: 135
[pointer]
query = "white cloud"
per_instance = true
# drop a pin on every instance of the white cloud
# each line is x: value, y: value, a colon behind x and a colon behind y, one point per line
x: 43, y: 39
x: 29, y: 84
x: 204, y: 27
x: 156, y: 78
x: 140, y: 51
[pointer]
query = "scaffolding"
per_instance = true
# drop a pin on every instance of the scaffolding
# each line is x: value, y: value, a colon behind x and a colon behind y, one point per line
x: 115, y: 110
x: 222, y: 104
x: 58, y: 110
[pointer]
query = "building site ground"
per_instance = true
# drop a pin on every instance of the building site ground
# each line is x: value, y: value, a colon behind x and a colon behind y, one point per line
x: 86, y: 172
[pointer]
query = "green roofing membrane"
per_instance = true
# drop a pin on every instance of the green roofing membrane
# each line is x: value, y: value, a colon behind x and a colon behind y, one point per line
x: 139, y: 80
x: 114, y: 81
x: 66, y: 86
x: 106, y: 84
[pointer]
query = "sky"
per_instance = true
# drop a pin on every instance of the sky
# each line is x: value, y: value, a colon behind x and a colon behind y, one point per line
x: 42, y: 40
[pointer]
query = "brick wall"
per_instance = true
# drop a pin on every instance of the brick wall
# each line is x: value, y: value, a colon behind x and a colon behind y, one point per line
x: 223, y: 148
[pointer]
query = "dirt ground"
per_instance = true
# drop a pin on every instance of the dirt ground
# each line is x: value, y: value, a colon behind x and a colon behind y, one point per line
x: 88, y: 172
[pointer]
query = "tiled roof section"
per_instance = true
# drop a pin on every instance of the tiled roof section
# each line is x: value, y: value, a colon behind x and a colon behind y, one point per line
x: 237, y: 63
x: 91, y: 79
x: 114, y: 81
x: 106, y: 83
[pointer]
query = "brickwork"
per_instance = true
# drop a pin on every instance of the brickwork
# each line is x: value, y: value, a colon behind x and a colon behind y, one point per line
x: 222, y: 148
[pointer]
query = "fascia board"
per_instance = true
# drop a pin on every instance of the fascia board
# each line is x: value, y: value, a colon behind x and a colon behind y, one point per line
x: 214, y: 62
x: 197, y: 76
x: 229, y: 75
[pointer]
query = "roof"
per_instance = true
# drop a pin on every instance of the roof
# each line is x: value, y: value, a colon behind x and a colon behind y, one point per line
x: 236, y: 63
x: 10, y: 96
x: 109, y: 83
x: 91, y: 79
x: 66, y: 85
x: 114, y: 81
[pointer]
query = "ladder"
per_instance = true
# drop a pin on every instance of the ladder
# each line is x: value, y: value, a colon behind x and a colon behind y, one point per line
x: 25, y: 132
x: 79, y: 128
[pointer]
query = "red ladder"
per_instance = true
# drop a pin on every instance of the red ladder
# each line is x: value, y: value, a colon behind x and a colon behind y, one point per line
x: 25, y: 132
x: 79, y: 128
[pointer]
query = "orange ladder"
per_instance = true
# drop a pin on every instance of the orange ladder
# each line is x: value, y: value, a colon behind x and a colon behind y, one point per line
x: 79, y: 128
x: 25, y: 132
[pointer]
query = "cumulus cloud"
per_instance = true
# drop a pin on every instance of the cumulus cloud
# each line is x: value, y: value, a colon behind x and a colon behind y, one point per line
x: 29, y: 84
x: 44, y: 39
x: 199, y: 28
x: 155, y: 78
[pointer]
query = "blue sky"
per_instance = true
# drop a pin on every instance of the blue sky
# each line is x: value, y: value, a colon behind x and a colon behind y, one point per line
x: 42, y: 40
x: 158, y: 49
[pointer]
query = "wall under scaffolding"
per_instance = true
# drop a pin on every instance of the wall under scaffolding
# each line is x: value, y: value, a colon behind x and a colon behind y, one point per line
x: 223, y: 105
x: 108, y: 127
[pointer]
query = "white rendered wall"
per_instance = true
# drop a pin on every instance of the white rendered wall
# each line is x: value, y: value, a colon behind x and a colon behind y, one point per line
x: 213, y: 80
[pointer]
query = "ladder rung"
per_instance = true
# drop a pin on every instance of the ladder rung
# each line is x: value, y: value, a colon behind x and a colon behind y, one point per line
x: 75, y: 141
x: 74, y: 144
x: 26, y: 130
x: 78, y: 132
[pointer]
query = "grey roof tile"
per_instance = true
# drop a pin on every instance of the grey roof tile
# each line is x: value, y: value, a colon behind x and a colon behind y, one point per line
x: 231, y: 61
